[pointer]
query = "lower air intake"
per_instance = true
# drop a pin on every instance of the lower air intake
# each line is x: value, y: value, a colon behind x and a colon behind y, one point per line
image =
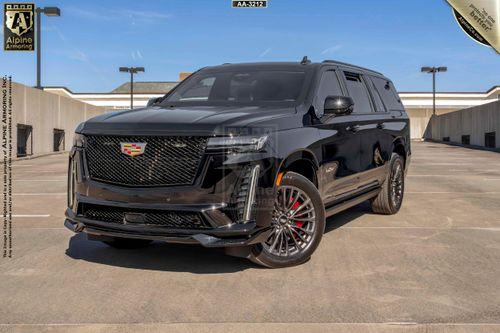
x: 167, y: 219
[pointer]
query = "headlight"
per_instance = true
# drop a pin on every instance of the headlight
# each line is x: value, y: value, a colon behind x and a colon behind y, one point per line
x: 239, y: 144
x: 78, y: 140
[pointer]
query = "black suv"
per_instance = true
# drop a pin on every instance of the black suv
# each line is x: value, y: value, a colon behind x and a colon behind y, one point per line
x: 250, y: 157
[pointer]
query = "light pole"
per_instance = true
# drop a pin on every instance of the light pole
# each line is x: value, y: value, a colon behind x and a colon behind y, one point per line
x: 132, y: 71
x: 49, y: 11
x: 433, y: 70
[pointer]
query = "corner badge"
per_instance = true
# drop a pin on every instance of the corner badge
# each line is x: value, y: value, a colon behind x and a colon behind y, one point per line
x: 133, y: 149
x: 18, y: 28
x: 479, y: 19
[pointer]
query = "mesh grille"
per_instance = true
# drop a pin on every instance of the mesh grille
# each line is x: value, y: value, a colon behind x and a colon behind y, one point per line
x: 165, y: 161
x: 167, y: 219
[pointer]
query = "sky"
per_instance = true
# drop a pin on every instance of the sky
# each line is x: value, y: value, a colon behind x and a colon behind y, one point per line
x: 83, y: 48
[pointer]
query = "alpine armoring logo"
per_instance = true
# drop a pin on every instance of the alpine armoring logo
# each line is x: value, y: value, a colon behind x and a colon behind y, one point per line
x: 19, y: 31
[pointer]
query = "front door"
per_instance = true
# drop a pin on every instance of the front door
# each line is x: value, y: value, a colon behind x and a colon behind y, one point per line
x: 340, y: 142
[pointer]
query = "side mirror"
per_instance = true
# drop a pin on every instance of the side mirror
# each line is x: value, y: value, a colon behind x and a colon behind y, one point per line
x: 153, y: 101
x: 338, y: 105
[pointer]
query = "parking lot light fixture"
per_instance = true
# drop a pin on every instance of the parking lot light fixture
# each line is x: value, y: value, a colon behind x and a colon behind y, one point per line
x: 433, y: 70
x: 49, y: 11
x: 132, y: 71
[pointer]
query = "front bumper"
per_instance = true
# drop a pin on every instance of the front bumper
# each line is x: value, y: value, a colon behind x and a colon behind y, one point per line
x: 229, y: 236
x: 209, y: 197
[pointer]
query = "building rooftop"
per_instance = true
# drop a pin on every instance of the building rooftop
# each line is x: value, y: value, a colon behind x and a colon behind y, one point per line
x: 150, y: 87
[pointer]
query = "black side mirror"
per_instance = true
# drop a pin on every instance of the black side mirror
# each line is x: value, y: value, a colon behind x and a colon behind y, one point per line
x: 338, y: 105
x: 153, y: 101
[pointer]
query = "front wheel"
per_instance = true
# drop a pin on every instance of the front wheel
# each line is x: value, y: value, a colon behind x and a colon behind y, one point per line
x: 298, y: 224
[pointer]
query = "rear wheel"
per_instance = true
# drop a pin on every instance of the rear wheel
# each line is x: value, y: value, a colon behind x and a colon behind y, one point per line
x: 298, y: 224
x: 390, y: 198
x: 127, y: 243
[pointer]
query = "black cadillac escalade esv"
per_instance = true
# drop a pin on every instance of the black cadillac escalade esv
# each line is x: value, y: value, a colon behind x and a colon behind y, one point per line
x: 250, y: 157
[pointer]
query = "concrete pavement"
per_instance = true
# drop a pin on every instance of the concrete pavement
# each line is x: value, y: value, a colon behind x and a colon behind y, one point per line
x: 433, y: 267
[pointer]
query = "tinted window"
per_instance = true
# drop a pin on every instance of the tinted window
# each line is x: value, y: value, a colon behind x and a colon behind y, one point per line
x: 359, y: 93
x: 240, y: 87
x: 379, y: 105
x: 389, y: 95
x: 199, y: 91
x: 328, y: 86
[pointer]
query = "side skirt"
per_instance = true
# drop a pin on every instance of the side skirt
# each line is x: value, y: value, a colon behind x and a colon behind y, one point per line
x: 348, y: 203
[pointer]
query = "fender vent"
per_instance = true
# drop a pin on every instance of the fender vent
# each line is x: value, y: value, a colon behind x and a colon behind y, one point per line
x: 243, y: 196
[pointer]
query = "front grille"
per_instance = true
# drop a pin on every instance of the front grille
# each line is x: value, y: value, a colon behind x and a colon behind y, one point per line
x: 167, y: 219
x: 166, y: 161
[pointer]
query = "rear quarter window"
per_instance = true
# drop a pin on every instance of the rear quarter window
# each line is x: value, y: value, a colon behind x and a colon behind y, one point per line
x: 388, y: 93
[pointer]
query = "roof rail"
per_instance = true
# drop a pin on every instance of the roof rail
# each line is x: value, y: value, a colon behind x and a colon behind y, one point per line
x: 351, y: 65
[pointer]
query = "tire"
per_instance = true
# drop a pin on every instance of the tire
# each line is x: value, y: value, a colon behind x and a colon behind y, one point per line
x: 390, y: 198
x: 127, y: 243
x: 298, y: 233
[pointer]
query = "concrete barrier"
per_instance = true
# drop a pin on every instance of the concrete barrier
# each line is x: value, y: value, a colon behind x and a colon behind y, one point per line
x: 420, y: 117
x: 475, y: 122
x: 45, y: 111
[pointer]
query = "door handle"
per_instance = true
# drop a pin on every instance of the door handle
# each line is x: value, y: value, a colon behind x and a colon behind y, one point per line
x: 380, y: 126
x: 353, y: 128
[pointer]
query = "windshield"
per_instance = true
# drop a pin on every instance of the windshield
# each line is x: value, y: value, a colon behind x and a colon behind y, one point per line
x: 245, y: 87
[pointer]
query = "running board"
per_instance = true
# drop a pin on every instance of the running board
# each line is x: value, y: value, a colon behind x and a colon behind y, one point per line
x: 351, y: 202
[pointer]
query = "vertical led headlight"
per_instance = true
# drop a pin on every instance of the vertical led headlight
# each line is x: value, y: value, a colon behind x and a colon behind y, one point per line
x: 71, y: 183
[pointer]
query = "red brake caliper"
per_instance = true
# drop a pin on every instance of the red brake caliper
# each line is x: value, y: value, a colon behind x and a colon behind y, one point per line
x: 294, y: 207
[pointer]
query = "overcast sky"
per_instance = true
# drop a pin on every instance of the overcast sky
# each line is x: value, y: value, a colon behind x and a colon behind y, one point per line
x: 83, y: 48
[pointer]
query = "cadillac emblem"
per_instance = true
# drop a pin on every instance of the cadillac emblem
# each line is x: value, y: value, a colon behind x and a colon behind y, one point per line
x: 133, y: 149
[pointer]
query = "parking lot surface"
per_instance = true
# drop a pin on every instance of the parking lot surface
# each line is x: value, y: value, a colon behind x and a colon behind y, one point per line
x: 433, y: 267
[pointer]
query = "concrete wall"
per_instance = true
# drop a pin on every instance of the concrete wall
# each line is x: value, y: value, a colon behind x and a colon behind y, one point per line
x: 473, y: 121
x: 420, y: 117
x: 45, y: 112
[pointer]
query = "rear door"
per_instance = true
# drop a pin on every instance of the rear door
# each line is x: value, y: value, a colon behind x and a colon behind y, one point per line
x: 367, y: 126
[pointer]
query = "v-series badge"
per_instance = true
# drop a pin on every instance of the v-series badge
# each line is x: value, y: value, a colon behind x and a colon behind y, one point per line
x: 249, y: 4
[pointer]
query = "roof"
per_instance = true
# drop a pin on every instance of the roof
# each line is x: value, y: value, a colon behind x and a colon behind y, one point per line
x: 146, y: 87
x: 288, y: 65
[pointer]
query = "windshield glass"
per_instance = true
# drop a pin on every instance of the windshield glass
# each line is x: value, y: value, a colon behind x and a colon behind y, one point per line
x: 245, y: 87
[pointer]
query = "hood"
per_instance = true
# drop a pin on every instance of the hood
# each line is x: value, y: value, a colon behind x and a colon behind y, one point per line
x: 195, y: 120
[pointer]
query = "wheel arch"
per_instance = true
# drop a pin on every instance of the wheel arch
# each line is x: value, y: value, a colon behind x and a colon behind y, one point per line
x: 303, y: 162
x: 399, y: 147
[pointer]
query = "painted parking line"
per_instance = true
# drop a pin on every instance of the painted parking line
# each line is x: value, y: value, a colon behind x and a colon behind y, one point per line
x: 42, y: 171
x: 40, y: 180
x: 429, y: 228
x: 447, y: 175
x: 30, y: 215
x: 443, y: 192
x: 41, y: 194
